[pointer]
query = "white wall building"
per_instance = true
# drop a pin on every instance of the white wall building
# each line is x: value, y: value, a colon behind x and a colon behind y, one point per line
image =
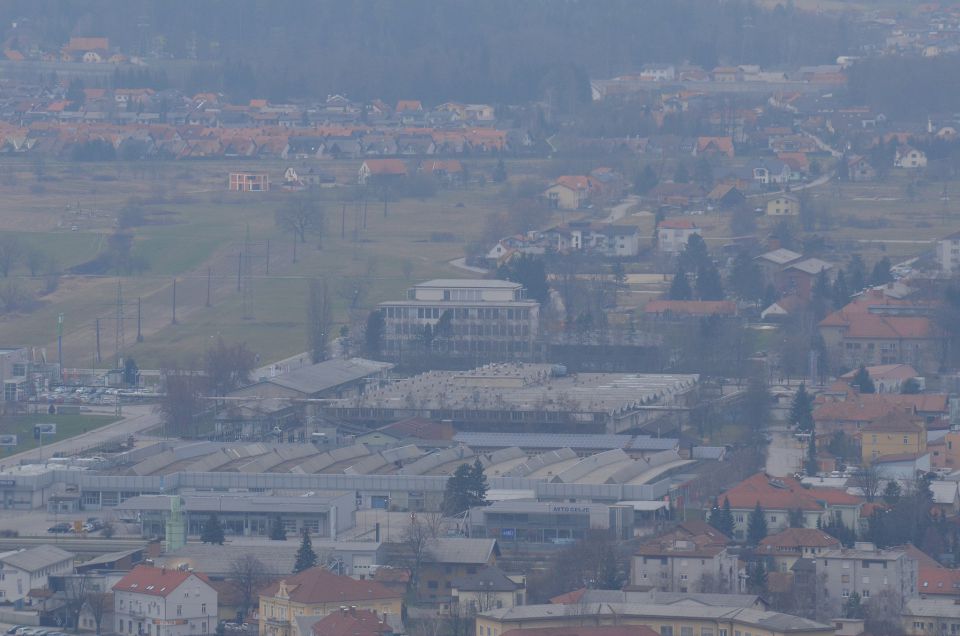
x: 160, y: 602
x: 486, y: 319
x: 672, y: 234
x: 24, y: 570
x: 948, y: 253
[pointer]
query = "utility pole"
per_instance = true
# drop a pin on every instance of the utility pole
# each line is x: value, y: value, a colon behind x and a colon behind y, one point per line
x: 118, y: 343
x: 99, y: 359
x: 139, y: 324
x: 60, y: 346
x: 247, y: 286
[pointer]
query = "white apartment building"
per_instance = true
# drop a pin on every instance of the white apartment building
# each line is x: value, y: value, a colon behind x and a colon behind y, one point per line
x: 948, y: 254
x: 24, y: 570
x: 673, y: 234
x: 479, y: 319
x: 867, y: 570
x: 160, y: 602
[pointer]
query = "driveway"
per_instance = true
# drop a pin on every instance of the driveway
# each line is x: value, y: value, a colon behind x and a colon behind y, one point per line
x: 784, y: 453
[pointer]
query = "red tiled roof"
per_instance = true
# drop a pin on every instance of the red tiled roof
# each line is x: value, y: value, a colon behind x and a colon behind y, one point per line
x: 577, y: 182
x: 351, y: 622
x: 569, y: 598
x: 938, y: 581
x: 409, y: 104
x: 386, y: 166
x: 145, y: 579
x: 896, y: 421
x: 691, y: 307
x: 720, y: 144
x: 799, y: 538
x: 607, y: 630
x: 677, y: 224
x: 783, y: 493
x: 87, y: 44
x: 319, y: 585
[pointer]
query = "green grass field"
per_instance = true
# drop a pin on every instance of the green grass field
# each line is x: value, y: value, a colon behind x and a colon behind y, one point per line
x: 67, y: 426
x: 203, y: 226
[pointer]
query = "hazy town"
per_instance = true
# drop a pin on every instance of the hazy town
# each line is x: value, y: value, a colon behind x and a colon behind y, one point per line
x: 509, y: 318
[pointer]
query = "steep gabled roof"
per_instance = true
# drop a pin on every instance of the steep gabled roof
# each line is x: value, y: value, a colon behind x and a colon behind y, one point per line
x: 319, y: 586
x: 152, y: 581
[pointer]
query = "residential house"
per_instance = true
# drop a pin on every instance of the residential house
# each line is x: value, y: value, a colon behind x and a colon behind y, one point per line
x: 162, y: 602
x: 685, y: 561
x: 909, y: 157
x: 946, y: 498
x: 677, y: 194
x: 726, y: 196
x: 948, y: 254
x: 798, y: 278
x: 658, y: 72
x: 600, y: 239
x: 787, y: 546
x: 708, y: 146
x: 859, y: 169
x: 773, y: 262
x: 886, y: 378
x: 449, y: 560
x: 772, y: 172
x: 781, y: 497
x: 874, y: 329
x: 666, y: 620
x: 248, y: 182
x: 449, y: 171
x: 27, y: 569
x: 572, y: 192
x: 350, y: 621
x: 851, y: 411
x: 936, y: 582
x: 673, y: 234
x: 319, y: 592
x: 488, y: 589
x: 783, y: 308
x: 935, y: 616
x: 727, y: 74
x: 381, y: 170
x: 945, y: 451
x: 867, y: 570
x: 783, y: 205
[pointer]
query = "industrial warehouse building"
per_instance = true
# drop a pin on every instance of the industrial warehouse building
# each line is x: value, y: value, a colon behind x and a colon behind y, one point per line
x: 504, y: 396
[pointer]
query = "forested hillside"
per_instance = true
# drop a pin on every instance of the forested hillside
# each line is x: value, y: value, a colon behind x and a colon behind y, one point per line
x: 495, y: 50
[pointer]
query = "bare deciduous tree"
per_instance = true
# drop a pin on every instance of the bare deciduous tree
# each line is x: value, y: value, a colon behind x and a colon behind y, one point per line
x: 97, y: 604
x: 302, y: 215
x: 248, y: 575
x: 868, y: 479
x: 319, y: 319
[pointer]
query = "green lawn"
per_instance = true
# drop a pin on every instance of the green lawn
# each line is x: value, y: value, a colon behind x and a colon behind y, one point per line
x: 67, y: 426
x: 201, y: 226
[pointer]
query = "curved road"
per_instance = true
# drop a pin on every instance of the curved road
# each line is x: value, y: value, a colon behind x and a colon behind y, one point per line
x: 136, y: 420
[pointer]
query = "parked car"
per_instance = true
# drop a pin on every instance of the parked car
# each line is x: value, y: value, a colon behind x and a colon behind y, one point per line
x: 13, y: 630
x: 60, y: 528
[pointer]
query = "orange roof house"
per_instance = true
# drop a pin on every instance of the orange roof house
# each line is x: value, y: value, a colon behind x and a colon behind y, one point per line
x: 351, y: 622
x: 79, y: 45
x: 145, y: 579
x: 409, y: 106
x: 714, y: 145
x: 779, y: 496
x: 381, y: 168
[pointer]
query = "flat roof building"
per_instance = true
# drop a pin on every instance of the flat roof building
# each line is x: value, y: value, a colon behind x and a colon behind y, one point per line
x: 477, y: 319
x: 528, y: 396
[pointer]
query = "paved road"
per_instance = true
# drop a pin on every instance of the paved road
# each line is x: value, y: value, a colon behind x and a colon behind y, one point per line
x: 461, y: 263
x: 136, y: 419
x: 620, y: 210
x: 784, y: 454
